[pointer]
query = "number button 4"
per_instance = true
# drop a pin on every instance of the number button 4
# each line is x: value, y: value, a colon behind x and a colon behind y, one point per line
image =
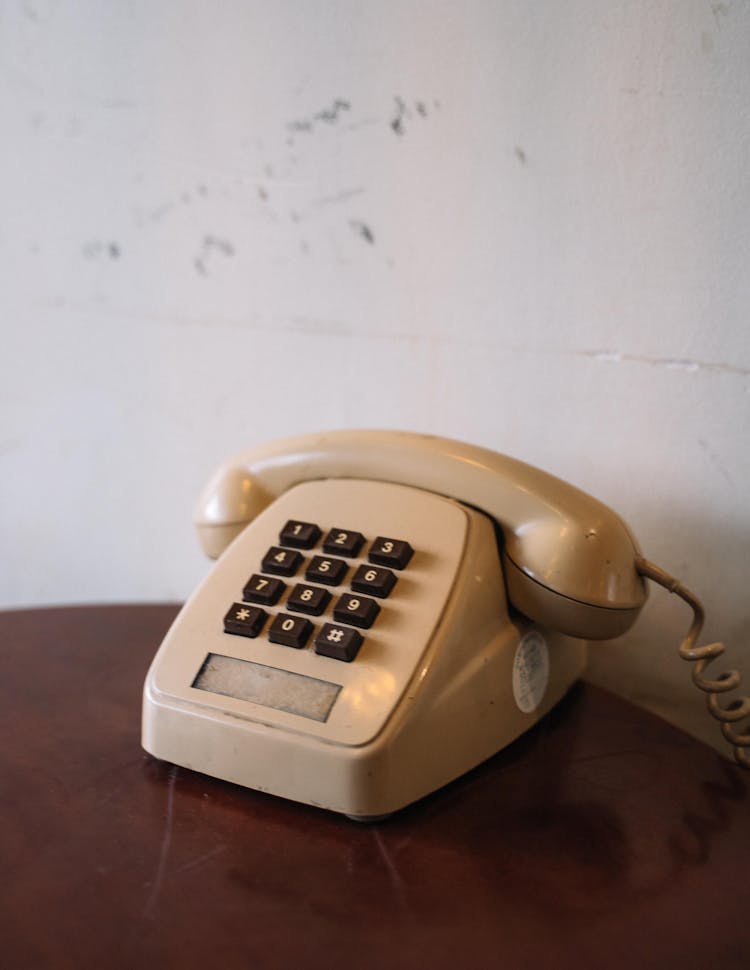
x: 282, y: 562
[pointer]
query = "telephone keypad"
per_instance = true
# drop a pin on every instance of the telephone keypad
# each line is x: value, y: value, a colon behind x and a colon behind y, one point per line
x: 290, y: 631
x: 299, y: 535
x: 326, y: 570
x: 282, y: 562
x: 308, y: 599
x: 351, y: 609
x: 244, y: 621
x: 358, y: 610
x: 263, y: 589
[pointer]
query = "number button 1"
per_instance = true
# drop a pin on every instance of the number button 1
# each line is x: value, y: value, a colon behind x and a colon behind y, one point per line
x: 372, y: 580
x: 301, y: 535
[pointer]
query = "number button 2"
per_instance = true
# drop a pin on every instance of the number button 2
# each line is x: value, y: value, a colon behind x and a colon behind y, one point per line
x: 341, y: 542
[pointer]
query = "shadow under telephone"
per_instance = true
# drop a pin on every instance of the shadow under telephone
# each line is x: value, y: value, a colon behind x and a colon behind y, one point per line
x: 353, y: 647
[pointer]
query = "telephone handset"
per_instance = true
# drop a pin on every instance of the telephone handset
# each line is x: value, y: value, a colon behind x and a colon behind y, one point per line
x: 353, y: 646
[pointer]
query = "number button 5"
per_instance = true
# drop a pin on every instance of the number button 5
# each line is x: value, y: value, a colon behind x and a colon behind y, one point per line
x: 327, y: 571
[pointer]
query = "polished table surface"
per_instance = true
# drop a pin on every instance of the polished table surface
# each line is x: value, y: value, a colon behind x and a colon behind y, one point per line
x: 603, y: 838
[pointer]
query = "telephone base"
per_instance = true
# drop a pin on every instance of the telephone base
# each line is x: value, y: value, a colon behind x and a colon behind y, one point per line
x: 434, y: 738
x: 444, y: 678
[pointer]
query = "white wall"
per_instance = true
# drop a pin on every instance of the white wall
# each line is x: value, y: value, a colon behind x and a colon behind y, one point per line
x: 521, y: 224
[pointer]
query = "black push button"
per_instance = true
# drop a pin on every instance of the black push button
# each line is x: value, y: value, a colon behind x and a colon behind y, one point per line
x: 308, y: 599
x: 263, y: 589
x: 338, y: 642
x: 390, y: 552
x: 358, y: 610
x: 372, y: 580
x: 327, y: 571
x: 245, y: 621
x: 282, y: 562
x: 301, y: 535
x: 341, y: 542
x: 291, y: 631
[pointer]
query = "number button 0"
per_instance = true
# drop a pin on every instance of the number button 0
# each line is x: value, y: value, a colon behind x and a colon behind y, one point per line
x: 341, y: 542
x: 372, y: 580
x: 282, y: 562
x: 290, y: 631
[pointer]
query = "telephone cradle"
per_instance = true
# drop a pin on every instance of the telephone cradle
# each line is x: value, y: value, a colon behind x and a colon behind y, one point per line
x: 388, y: 610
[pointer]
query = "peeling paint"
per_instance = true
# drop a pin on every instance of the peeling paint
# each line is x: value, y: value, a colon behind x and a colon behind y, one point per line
x: 209, y: 246
x: 363, y: 230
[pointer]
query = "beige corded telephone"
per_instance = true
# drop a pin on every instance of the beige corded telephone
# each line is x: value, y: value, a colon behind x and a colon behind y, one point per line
x: 353, y: 647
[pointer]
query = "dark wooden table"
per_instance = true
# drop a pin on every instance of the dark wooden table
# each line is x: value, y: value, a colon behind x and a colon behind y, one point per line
x: 605, y: 838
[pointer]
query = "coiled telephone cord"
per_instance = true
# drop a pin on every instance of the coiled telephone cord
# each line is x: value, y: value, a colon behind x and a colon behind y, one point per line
x: 701, y: 657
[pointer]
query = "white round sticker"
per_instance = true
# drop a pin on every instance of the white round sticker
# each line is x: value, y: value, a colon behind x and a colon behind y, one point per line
x: 530, y: 671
